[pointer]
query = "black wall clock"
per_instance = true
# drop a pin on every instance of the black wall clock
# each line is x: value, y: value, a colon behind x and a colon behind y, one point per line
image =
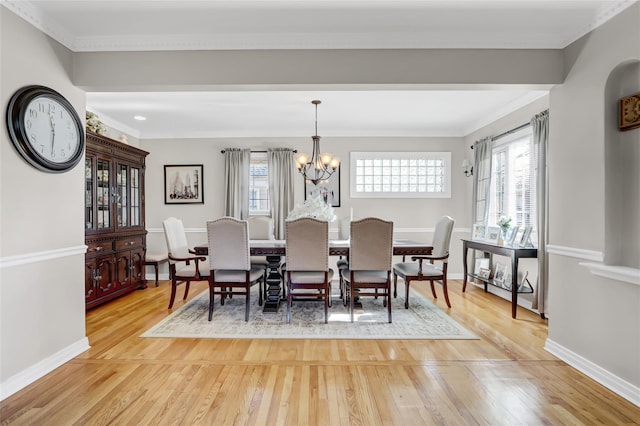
x: 45, y: 129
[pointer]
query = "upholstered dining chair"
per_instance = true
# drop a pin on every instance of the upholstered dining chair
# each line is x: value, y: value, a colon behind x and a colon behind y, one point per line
x: 308, y: 276
x: 423, y: 268
x: 184, y: 265
x: 370, y: 253
x: 231, y: 267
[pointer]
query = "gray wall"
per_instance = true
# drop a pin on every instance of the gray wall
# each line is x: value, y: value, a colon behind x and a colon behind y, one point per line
x: 42, y: 315
x: 595, y: 320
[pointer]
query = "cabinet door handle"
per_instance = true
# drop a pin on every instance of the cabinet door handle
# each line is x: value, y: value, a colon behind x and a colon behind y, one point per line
x: 96, y: 249
x: 130, y: 243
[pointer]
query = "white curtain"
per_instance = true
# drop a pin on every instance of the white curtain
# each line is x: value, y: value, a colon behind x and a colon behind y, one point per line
x: 482, y: 151
x: 540, y: 125
x: 236, y: 168
x: 280, y: 187
x: 482, y: 158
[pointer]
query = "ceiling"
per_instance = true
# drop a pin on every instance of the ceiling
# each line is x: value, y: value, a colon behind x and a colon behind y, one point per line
x: 93, y: 25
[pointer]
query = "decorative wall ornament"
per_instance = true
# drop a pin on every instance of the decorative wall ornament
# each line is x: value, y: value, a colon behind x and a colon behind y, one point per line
x: 629, y: 112
x: 95, y: 125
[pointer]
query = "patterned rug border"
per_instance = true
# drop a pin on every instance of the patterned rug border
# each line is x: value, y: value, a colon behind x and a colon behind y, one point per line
x: 422, y: 321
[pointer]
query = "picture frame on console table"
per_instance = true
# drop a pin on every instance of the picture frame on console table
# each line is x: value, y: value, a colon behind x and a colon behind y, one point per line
x: 183, y: 184
x: 492, y: 234
x: 478, y: 232
x: 328, y: 190
x: 524, y: 238
x: 511, y: 235
x: 500, y: 272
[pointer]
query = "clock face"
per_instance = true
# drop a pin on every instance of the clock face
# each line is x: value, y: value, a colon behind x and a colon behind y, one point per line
x: 45, y: 129
x: 51, y: 129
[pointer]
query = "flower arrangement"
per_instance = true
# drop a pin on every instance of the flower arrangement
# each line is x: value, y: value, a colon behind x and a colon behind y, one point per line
x: 313, y: 207
x: 94, y: 124
x: 504, y: 223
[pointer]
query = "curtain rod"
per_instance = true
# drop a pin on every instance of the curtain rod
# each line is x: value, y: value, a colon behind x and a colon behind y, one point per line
x: 295, y: 151
x: 508, y: 132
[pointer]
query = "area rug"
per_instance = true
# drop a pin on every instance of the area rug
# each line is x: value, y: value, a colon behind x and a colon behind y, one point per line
x: 423, y: 320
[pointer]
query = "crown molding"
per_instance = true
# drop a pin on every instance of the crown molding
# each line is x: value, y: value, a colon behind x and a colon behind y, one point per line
x: 373, y: 40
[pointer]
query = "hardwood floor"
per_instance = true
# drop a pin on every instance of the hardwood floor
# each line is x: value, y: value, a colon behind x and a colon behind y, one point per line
x: 504, y: 378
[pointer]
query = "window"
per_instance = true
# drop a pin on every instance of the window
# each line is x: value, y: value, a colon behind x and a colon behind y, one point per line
x: 259, y: 184
x: 400, y: 174
x: 513, y: 179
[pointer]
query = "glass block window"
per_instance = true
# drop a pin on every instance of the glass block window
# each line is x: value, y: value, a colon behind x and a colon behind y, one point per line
x: 400, y: 175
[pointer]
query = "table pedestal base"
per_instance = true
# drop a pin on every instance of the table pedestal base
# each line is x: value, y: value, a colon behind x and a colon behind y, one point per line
x: 274, y: 285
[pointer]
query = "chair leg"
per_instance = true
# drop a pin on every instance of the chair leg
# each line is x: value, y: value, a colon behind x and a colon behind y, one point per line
x: 186, y: 290
x: 155, y: 265
x: 246, y: 303
x: 433, y: 290
x: 446, y: 292
x: 395, y: 285
x: 211, y: 297
x: 173, y: 293
x: 407, y: 283
x: 388, y: 295
x: 327, y: 297
x: 289, y: 306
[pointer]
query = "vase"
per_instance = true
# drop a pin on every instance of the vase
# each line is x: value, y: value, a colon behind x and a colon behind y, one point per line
x: 502, y: 238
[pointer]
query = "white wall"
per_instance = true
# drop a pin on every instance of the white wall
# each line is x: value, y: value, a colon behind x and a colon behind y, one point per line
x: 595, y: 321
x: 413, y: 218
x: 42, y: 249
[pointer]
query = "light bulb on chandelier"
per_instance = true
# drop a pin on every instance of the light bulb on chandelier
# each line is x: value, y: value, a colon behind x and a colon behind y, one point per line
x: 319, y: 167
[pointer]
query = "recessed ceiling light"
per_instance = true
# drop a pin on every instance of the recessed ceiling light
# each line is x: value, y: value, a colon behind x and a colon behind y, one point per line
x: 139, y: 117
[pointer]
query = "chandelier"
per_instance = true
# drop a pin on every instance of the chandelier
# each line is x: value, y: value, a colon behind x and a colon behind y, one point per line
x: 319, y: 167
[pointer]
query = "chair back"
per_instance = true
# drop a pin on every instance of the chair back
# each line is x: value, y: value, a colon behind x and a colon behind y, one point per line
x: 176, y: 238
x: 261, y: 228
x: 307, y: 244
x: 229, y: 244
x: 442, y: 237
x: 371, y: 245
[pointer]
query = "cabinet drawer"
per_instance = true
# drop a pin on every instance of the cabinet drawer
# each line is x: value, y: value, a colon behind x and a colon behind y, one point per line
x: 99, y: 247
x: 128, y: 243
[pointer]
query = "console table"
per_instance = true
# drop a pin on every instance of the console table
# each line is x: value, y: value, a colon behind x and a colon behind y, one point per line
x: 513, y: 252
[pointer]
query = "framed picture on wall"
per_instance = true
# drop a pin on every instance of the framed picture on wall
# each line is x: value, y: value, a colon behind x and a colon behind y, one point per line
x: 328, y: 190
x: 183, y: 184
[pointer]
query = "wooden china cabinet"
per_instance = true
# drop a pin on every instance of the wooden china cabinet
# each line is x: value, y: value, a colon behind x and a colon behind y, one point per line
x: 115, y: 232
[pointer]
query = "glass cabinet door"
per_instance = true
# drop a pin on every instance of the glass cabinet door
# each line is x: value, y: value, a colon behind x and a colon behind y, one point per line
x: 103, y: 194
x: 128, y: 196
x: 122, y: 199
x: 136, y: 195
x: 88, y: 193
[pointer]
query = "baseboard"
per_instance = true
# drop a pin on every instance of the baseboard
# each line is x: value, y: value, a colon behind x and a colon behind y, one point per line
x: 21, y: 380
x: 620, y: 386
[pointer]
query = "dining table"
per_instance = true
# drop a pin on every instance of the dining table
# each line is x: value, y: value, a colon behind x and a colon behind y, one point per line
x: 274, y: 250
